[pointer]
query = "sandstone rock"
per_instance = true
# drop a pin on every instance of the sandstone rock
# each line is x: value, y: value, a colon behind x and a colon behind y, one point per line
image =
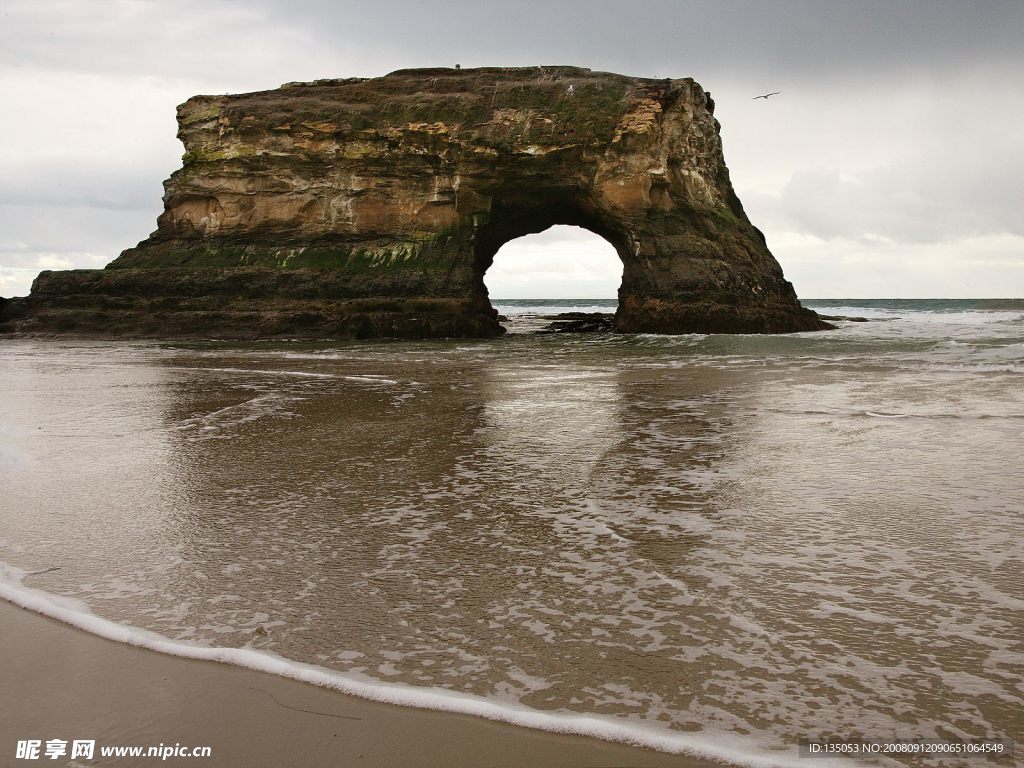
x: 356, y: 207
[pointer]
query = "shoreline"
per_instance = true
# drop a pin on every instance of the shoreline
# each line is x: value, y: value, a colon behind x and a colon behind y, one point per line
x: 61, y: 682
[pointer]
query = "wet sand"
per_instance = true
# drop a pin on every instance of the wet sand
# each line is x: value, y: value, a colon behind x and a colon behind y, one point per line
x: 744, y: 541
x: 58, y: 682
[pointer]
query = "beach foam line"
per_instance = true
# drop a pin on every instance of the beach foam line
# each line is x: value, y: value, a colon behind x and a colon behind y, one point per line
x: 280, y: 372
x: 370, y: 378
x: 721, y: 746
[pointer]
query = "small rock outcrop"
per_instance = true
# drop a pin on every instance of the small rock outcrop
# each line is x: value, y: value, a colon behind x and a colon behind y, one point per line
x: 373, y: 207
x: 580, y: 322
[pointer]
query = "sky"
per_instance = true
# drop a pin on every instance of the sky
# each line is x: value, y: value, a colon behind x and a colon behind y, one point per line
x: 890, y: 165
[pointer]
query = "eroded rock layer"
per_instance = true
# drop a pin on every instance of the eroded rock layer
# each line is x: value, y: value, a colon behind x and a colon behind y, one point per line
x: 373, y: 207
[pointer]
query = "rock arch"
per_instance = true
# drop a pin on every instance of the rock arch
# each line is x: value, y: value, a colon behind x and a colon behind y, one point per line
x: 510, y: 223
x: 373, y: 207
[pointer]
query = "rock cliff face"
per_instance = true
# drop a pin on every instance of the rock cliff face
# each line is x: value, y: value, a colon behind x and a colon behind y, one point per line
x: 374, y: 207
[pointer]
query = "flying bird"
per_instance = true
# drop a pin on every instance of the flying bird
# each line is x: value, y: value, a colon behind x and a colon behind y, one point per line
x: 765, y: 96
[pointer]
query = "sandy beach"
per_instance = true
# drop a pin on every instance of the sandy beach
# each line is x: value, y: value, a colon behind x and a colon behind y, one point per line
x: 57, y: 682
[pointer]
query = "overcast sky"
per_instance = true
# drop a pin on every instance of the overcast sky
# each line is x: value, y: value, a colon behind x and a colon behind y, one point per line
x: 890, y: 164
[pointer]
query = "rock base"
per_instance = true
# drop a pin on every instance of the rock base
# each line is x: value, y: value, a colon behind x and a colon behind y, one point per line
x: 710, y: 316
x: 259, y: 303
x: 235, y: 304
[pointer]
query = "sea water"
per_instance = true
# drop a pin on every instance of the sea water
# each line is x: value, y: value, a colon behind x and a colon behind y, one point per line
x: 715, y: 544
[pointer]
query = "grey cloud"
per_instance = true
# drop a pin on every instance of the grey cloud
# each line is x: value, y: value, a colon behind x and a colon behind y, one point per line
x: 81, y: 185
x: 569, y: 235
x: 27, y: 232
x: 230, y: 43
x: 669, y: 37
x: 925, y: 200
x: 216, y: 44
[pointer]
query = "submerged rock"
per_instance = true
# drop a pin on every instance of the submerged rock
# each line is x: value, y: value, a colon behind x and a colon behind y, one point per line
x: 580, y: 322
x: 844, y: 318
x: 373, y: 207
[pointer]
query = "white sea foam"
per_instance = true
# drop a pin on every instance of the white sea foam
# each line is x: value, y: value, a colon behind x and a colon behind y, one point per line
x: 730, y: 747
x: 370, y: 379
x: 827, y: 610
x: 522, y: 308
x: 262, y: 372
x: 367, y: 378
x: 976, y: 368
x: 219, y: 424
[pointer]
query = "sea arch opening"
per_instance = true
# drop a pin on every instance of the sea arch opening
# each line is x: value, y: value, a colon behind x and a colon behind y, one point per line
x: 562, y: 268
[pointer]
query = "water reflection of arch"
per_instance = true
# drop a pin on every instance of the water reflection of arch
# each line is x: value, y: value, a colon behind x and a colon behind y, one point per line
x: 418, y: 511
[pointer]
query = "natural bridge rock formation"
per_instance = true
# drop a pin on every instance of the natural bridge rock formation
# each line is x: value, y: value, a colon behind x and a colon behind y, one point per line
x: 373, y: 207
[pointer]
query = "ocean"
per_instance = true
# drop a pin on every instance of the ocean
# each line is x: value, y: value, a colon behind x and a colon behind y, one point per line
x: 721, y: 545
